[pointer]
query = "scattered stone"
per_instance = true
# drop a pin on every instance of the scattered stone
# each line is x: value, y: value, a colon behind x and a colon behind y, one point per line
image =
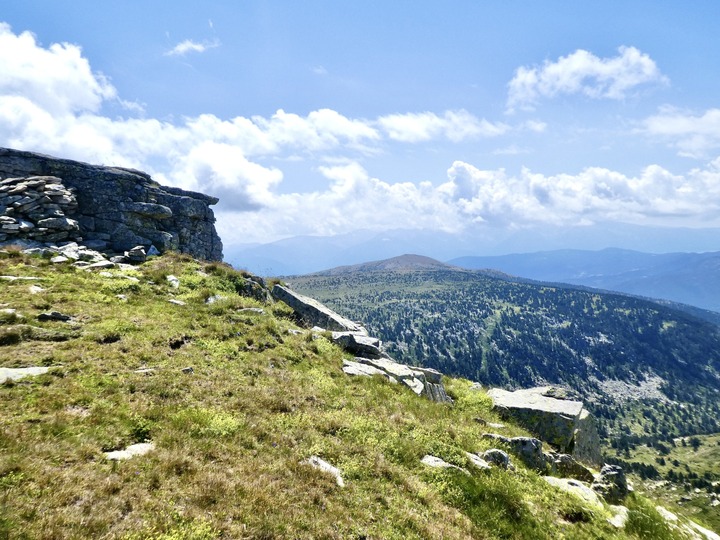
x: 145, y: 371
x: 176, y: 302
x: 359, y: 345
x: 578, y: 488
x: 356, y: 368
x: 566, y: 466
x: 174, y: 281
x: 528, y: 449
x: 34, y: 289
x: 214, y: 298
x: 294, y: 332
x: 136, y: 255
x: 21, y: 278
x: 496, y: 457
x: 257, y: 310
x: 15, y: 374
x: 133, y: 450
x: 54, y: 316
x: 477, y: 461
x: 59, y: 259
x: 611, y: 484
x: 322, y: 465
x: 619, y: 517
x: 100, y: 264
x: 188, y: 370
x: 437, y: 463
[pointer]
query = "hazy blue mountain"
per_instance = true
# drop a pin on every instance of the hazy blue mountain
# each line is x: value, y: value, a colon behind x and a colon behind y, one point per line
x: 689, y: 278
x: 305, y: 254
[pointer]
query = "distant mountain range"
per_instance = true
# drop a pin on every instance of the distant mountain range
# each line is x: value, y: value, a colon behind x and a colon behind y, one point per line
x: 688, y: 278
x: 305, y: 254
x: 628, y: 266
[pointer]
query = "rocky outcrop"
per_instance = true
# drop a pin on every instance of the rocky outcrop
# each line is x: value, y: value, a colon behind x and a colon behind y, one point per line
x: 370, y: 358
x: 563, y: 423
x: 47, y: 199
x: 313, y: 313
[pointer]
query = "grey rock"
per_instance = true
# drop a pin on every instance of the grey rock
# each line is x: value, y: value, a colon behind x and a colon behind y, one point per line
x: 437, y: 463
x: 529, y: 450
x: 15, y: 374
x: 611, y: 484
x: 360, y: 345
x: 322, y: 465
x: 356, y: 368
x: 188, y: 370
x: 131, y: 451
x: 313, y: 313
x: 577, y: 488
x: 176, y: 302
x: 566, y: 466
x: 496, y: 457
x: 54, y: 316
x: 136, y: 255
x: 59, y: 259
x: 173, y: 281
x: 477, y: 461
x: 563, y: 423
x: 69, y: 199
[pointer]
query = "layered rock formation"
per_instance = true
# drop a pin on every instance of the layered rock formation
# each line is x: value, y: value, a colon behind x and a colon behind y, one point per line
x: 370, y: 358
x: 563, y: 423
x: 48, y: 199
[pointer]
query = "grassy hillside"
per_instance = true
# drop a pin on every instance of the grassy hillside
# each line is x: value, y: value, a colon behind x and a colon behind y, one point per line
x: 231, y: 435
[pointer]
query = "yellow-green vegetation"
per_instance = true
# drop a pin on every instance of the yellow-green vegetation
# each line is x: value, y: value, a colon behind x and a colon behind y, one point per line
x: 231, y: 435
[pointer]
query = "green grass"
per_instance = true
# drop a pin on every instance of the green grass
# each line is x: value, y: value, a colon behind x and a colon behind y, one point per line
x: 231, y: 437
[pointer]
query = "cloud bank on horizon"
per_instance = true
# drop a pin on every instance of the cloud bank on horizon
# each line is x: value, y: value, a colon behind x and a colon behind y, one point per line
x: 53, y: 101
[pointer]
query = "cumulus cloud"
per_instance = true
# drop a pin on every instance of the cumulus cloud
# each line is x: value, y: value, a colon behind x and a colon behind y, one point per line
x: 57, y: 79
x: 583, y: 73
x: 51, y: 101
x: 454, y: 125
x: 189, y: 46
x: 692, y: 134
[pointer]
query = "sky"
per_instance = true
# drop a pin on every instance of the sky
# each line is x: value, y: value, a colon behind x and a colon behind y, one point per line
x: 325, y: 117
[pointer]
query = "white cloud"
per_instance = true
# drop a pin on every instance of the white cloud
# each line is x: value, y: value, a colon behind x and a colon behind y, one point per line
x: 189, y: 46
x: 57, y: 79
x: 694, y: 135
x: 51, y: 101
x: 454, y: 125
x: 583, y: 73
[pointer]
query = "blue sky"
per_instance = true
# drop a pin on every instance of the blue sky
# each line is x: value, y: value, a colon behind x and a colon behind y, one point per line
x: 322, y: 117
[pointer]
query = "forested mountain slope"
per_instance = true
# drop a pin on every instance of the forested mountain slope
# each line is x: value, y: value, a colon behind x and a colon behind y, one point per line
x: 608, y: 347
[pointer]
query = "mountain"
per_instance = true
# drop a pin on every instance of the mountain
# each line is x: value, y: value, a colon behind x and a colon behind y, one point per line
x: 172, y: 400
x: 305, y: 254
x: 403, y: 263
x: 516, y: 333
x: 689, y: 278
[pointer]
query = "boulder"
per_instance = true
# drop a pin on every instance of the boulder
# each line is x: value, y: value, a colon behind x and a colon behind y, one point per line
x: 611, y: 484
x: 576, y: 488
x: 437, y: 463
x: 358, y: 344
x: 133, y: 450
x: 563, y: 423
x: 527, y: 449
x: 14, y: 374
x: 566, y: 466
x: 313, y: 313
x: 496, y: 457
